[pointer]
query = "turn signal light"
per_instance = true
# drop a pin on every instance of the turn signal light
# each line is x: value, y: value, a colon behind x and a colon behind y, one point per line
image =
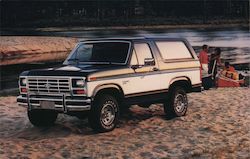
x: 24, y: 90
x: 92, y: 78
x: 79, y: 92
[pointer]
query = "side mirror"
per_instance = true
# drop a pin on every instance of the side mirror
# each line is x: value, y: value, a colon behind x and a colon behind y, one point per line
x: 149, y: 62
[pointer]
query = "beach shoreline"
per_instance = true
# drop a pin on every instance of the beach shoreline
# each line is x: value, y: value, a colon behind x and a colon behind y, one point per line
x: 30, y: 49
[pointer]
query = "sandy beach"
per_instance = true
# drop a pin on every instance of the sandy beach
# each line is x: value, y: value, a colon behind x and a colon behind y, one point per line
x: 217, y: 125
x: 28, y: 49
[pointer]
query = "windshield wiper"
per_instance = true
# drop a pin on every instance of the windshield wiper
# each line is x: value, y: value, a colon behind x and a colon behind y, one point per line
x: 73, y: 60
x: 92, y: 62
x: 95, y: 62
x: 76, y: 61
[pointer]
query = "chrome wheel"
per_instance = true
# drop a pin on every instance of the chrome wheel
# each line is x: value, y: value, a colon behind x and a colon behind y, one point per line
x: 104, y: 114
x: 108, y: 113
x: 177, y: 103
x: 180, y: 103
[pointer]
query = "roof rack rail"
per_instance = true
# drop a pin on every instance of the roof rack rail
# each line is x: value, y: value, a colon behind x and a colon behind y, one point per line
x: 113, y: 38
x: 131, y: 38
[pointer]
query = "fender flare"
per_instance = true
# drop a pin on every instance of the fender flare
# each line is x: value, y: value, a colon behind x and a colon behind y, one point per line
x: 181, y: 78
x: 104, y: 86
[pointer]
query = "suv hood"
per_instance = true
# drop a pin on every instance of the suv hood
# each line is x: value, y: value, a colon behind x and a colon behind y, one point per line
x: 81, y: 70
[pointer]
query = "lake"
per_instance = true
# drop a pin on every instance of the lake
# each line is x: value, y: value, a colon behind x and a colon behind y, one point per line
x: 234, y: 43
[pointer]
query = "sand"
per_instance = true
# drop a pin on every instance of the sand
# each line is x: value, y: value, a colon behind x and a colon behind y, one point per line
x: 27, y: 49
x: 217, y: 125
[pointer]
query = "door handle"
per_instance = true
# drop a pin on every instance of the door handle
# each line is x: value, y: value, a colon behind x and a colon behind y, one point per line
x: 155, y: 69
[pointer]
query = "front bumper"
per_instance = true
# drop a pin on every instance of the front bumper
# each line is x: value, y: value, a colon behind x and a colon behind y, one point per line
x: 62, y: 103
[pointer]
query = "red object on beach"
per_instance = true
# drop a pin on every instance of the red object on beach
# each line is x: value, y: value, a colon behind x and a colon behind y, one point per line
x: 229, y: 81
x: 226, y: 83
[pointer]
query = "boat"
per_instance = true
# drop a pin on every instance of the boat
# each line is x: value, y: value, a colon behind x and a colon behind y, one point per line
x: 229, y: 79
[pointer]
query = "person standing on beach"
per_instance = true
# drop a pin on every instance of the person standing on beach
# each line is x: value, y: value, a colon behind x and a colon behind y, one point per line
x: 217, y: 56
x: 214, y: 62
x: 203, y: 56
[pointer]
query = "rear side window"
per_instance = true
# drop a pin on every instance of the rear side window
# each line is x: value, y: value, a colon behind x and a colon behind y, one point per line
x: 173, y: 50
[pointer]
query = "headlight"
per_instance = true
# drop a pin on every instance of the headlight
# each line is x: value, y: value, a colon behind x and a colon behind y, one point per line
x: 80, y: 83
x: 77, y: 83
x: 23, y: 81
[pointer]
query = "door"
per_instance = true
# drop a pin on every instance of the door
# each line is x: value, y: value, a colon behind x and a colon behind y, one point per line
x: 146, y: 79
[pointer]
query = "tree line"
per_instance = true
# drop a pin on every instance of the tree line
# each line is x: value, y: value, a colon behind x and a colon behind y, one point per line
x: 38, y: 13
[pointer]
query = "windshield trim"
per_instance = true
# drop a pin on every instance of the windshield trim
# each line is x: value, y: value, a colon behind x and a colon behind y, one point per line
x: 101, y: 41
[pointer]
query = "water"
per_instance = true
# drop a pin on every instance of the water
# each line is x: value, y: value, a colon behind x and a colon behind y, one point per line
x: 234, y: 42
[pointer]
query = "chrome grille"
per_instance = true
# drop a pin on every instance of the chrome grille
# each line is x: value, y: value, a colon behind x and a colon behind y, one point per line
x: 48, y: 85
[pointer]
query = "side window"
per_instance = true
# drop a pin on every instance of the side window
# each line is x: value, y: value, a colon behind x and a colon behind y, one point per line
x: 134, y: 60
x: 173, y: 50
x: 142, y: 51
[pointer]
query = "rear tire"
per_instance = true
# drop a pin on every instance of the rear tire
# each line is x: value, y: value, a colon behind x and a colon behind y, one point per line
x: 104, y: 114
x: 177, y: 103
x: 41, y: 118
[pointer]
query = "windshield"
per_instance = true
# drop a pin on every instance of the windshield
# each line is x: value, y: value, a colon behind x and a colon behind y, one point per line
x: 100, y: 53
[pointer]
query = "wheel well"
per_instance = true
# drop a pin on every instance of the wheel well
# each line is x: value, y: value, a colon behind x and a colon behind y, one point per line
x: 186, y: 84
x: 110, y: 91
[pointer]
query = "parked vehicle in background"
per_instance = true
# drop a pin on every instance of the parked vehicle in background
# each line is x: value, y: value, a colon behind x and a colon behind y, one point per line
x: 102, y: 77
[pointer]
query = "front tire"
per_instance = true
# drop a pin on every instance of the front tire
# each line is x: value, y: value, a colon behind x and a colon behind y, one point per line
x: 177, y: 103
x: 41, y: 118
x: 104, y: 114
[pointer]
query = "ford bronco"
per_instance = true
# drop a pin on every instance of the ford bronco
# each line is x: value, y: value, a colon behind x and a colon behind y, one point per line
x: 100, y: 78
